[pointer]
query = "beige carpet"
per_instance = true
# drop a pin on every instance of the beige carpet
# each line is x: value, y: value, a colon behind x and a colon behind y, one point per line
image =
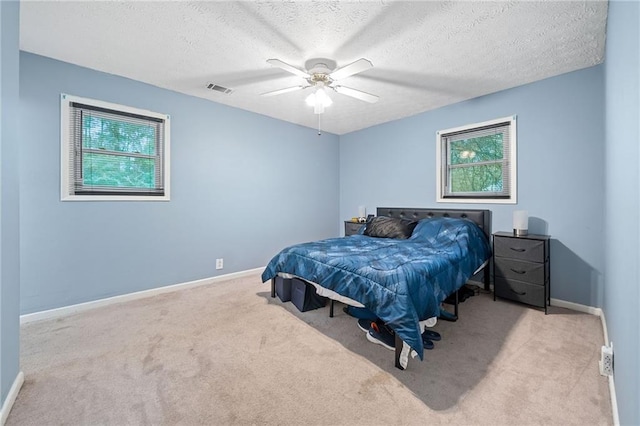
x: 228, y: 353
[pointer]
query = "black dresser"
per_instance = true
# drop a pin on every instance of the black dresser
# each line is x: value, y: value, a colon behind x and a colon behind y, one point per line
x: 521, y: 268
x: 351, y: 228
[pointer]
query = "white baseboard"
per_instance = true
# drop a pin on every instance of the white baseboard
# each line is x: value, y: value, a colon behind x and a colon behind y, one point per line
x: 73, y: 309
x: 576, y: 307
x: 11, y: 397
x: 605, y: 334
x: 614, y: 402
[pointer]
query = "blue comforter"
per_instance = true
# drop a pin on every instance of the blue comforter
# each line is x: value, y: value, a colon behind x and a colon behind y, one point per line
x: 401, y: 281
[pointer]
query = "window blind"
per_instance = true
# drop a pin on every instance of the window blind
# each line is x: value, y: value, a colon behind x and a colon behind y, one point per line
x: 447, y: 139
x: 115, y: 152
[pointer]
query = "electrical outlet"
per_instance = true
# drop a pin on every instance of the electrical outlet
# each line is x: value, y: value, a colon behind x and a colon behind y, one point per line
x: 219, y: 263
x: 606, y: 360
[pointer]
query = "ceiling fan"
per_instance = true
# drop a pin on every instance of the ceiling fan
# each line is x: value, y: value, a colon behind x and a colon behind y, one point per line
x: 322, y: 73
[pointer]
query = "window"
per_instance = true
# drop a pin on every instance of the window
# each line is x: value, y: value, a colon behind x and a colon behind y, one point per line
x: 113, y: 152
x: 477, y: 163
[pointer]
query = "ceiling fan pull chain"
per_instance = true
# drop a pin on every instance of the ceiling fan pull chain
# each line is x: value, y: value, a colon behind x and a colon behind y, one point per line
x: 319, y: 132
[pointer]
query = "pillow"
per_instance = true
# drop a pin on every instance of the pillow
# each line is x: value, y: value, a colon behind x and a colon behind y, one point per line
x: 389, y: 227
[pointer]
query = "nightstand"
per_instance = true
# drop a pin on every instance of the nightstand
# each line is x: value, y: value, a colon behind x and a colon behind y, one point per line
x: 521, y: 268
x: 351, y: 228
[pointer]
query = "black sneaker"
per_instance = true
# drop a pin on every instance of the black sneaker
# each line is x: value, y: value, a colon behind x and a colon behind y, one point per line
x: 381, y: 334
x: 426, y: 343
x: 364, y: 324
x: 431, y: 335
x: 447, y: 316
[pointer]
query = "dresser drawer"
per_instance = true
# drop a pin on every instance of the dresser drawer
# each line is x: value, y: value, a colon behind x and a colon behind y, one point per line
x: 520, y: 291
x: 520, y: 270
x: 518, y: 248
x: 351, y: 228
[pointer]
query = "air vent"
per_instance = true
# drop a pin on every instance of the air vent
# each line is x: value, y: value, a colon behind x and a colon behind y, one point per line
x: 220, y: 89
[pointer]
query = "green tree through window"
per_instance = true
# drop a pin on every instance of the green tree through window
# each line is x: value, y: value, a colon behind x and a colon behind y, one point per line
x: 117, y: 153
x: 476, y: 164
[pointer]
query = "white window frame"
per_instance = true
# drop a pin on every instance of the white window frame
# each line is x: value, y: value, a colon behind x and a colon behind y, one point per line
x: 441, y: 169
x: 67, y: 162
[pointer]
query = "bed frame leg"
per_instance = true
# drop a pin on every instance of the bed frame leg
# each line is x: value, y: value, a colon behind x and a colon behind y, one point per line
x: 487, y: 277
x: 331, y: 308
x: 399, y: 343
x: 455, y: 308
x: 273, y: 287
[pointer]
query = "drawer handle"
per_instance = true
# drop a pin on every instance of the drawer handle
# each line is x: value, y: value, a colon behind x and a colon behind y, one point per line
x: 519, y: 250
x: 518, y: 272
x: 519, y: 294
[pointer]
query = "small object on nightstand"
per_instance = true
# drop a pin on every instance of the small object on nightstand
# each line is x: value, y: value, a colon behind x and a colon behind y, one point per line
x: 521, y: 268
x: 520, y: 223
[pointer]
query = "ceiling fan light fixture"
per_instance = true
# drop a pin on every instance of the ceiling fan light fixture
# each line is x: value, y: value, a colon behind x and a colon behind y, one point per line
x: 319, y: 100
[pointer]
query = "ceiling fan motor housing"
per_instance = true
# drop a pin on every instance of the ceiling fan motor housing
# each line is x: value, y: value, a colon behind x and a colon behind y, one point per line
x: 320, y: 66
x: 319, y: 69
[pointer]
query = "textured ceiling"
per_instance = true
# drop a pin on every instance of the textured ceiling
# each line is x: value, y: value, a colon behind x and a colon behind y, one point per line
x: 425, y: 54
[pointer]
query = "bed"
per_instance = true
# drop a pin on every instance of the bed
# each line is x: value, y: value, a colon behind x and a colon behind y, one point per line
x: 402, y: 281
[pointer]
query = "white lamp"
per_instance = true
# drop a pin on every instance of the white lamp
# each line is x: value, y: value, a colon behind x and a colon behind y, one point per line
x: 362, y: 211
x: 520, y: 222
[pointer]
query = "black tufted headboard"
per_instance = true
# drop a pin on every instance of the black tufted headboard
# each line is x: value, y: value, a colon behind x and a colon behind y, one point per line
x: 481, y: 217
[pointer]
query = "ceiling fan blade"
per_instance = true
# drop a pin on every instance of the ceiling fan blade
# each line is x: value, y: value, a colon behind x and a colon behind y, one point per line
x: 351, y: 69
x: 281, y: 91
x: 290, y: 68
x: 358, y: 94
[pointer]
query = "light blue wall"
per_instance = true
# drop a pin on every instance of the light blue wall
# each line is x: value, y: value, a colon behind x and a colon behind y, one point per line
x: 242, y: 187
x: 560, y: 138
x: 622, y: 231
x: 9, y: 197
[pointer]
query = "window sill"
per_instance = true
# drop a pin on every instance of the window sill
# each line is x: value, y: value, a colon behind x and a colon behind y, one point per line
x: 113, y: 198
